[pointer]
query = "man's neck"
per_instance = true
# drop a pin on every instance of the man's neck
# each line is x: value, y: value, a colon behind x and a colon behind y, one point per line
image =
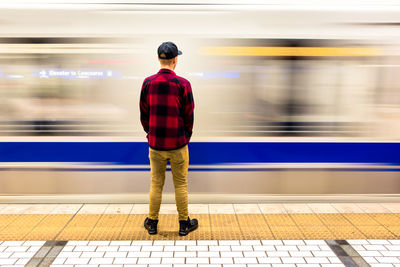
x: 167, y: 67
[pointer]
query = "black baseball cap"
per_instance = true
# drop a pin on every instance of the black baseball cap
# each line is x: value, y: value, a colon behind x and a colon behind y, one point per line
x: 168, y: 50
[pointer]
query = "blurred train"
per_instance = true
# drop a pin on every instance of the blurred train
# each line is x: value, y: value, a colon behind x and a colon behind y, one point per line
x: 293, y: 99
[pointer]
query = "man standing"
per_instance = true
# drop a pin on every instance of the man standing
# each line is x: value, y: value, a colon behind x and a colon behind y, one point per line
x: 166, y: 114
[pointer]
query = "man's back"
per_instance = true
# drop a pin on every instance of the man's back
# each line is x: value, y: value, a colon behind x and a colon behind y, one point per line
x: 166, y: 105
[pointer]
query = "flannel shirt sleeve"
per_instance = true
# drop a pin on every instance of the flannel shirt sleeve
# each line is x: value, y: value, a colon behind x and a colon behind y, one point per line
x: 188, y: 114
x: 144, y: 107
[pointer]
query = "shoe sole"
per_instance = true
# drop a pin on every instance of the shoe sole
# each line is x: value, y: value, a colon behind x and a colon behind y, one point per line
x: 197, y: 226
x: 145, y: 226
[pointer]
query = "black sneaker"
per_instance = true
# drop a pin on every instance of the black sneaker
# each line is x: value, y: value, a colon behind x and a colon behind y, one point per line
x: 151, y: 226
x: 187, y: 226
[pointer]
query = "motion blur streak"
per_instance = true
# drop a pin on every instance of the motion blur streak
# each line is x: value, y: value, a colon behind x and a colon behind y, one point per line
x: 292, y: 51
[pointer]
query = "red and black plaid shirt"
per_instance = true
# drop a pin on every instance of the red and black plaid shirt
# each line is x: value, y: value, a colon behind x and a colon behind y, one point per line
x: 166, y: 110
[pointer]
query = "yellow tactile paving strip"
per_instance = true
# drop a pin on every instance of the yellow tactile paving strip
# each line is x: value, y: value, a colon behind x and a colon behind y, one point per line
x: 108, y: 227
x: 49, y: 227
x: 212, y: 226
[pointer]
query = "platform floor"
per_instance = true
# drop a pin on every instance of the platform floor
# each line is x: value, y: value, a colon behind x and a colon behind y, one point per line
x: 335, y: 234
x: 217, y: 221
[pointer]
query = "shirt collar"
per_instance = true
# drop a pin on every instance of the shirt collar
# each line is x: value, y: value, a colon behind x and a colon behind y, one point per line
x: 166, y: 71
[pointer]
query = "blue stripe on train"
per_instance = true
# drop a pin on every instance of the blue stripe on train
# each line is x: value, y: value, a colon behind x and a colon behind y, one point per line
x: 204, y: 153
x: 72, y: 169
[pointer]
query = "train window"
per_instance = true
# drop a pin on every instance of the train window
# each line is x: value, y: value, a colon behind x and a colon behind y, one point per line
x: 93, y: 89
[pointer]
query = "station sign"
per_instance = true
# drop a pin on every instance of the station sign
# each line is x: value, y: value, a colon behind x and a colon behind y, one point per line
x: 75, y: 74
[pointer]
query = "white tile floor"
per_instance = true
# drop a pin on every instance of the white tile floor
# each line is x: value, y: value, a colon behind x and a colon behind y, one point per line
x: 378, y: 252
x: 66, y: 209
x: 272, y: 208
x: 222, y: 253
x: 347, y: 208
x: 322, y: 208
x: 246, y: 208
x: 393, y: 207
x: 297, y: 208
x: 373, y: 208
x: 202, y: 208
x: 199, y: 253
x: 18, y: 253
x: 221, y: 208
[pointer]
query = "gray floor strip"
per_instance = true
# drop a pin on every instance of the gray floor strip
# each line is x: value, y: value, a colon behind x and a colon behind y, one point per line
x: 45, y: 256
x: 346, y: 253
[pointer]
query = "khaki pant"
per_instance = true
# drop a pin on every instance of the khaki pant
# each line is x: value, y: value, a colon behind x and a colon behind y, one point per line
x: 179, y: 160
